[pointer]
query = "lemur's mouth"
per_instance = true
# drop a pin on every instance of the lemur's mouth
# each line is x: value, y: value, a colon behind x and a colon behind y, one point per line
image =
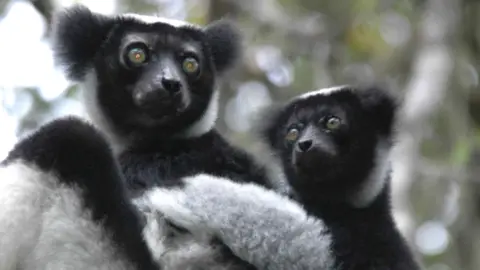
x: 165, y: 107
x: 308, y: 162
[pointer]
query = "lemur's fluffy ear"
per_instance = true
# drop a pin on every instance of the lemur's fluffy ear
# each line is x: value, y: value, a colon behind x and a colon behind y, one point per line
x: 77, y: 35
x: 381, y: 104
x: 225, y: 41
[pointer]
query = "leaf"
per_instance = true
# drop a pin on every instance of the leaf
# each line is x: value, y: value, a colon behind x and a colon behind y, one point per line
x: 461, y: 152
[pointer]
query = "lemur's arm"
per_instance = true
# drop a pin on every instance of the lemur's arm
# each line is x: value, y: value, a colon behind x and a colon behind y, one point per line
x: 258, y: 225
x: 63, y: 204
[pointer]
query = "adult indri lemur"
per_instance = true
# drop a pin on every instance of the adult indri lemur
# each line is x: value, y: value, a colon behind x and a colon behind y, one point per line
x: 150, y: 86
x: 334, y: 145
x: 64, y: 205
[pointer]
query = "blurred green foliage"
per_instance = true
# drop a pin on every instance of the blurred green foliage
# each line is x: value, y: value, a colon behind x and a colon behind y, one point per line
x: 322, y: 43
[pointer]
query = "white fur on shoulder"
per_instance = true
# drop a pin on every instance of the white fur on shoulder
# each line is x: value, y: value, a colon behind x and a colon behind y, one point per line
x: 44, y: 226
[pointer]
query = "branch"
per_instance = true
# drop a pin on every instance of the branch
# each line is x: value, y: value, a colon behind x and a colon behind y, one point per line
x: 3, y: 4
x: 271, y: 15
x: 46, y: 9
x: 429, y: 82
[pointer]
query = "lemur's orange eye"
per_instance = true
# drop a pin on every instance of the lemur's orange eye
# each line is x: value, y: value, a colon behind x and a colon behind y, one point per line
x: 137, y: 56
x: 292, y: 135
x: 333, y: 123
x: 190, y: 65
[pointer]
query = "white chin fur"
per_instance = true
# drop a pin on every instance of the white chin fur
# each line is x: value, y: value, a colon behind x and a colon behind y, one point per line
x: 43, y: 225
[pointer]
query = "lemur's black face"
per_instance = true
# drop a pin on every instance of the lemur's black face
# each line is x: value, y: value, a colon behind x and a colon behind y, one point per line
x: 146, y: 76
x: 328, y: 140
x: 153, y: 74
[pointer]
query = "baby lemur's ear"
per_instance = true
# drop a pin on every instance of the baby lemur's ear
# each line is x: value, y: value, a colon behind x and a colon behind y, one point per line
x: 78, y: 33
x: 382, y: 105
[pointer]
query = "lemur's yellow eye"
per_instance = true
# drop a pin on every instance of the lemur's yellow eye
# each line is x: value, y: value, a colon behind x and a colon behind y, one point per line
x: 190, y: 65
x: 137, y: 56
x: 333, y: 123
x: 292, y: 135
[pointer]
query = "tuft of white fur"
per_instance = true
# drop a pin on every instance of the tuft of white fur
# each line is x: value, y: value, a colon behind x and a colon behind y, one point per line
x: 179, y: 250
x: 155, y: 19
x: 323, y: 91
x: 206, y: 121
x: 376, y: 180
x: 43, y: 225
x: 89, y: 89
x: 22, y: 199
x: 258, y: 225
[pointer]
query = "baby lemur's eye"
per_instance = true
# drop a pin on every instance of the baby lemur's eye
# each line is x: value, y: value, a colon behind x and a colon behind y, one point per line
x: 137, y: 55
x: 333, y: 123
x: 292, y: 135
x: 190, y: 65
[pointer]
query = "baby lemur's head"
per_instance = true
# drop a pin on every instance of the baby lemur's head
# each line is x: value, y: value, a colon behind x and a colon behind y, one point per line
x: 334, y: 143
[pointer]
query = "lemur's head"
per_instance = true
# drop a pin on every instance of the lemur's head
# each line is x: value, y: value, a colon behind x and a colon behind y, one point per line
x: 334, y: 143
x: 146, y: 75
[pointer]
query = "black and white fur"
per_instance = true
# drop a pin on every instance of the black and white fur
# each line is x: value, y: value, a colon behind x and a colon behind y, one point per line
x: 174, y: 135
x: 340, y: 176
x: 170, y: 135
x: 63, y: 204
x: 260, y: 226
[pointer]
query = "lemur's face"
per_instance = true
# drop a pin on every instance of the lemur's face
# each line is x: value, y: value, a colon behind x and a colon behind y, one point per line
x: 329, y: 139
x: 146, y: 75
x: 156, y: 71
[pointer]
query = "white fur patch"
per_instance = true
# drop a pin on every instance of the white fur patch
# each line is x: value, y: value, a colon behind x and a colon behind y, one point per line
x: 176, y: 250
x: 44, y: 226
x: 95, y: 113
x: 377, y: 178
x: 207, y: 121
x: 155, y: 19
x: 258, y: 225
x: 323, y: 91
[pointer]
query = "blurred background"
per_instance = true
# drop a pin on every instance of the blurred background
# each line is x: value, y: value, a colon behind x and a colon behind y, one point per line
x: 427, y: 50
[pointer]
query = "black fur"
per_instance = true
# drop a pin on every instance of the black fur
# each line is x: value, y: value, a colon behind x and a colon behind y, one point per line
x: 225, y: 43
x: 153, y: 163
x: 154, y: 150
x: 77, y: 42
x: 84, y: 40
x: 79, y: 34
x: 81, y: 157
x: 158, y: 148
x: 326, y: 177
